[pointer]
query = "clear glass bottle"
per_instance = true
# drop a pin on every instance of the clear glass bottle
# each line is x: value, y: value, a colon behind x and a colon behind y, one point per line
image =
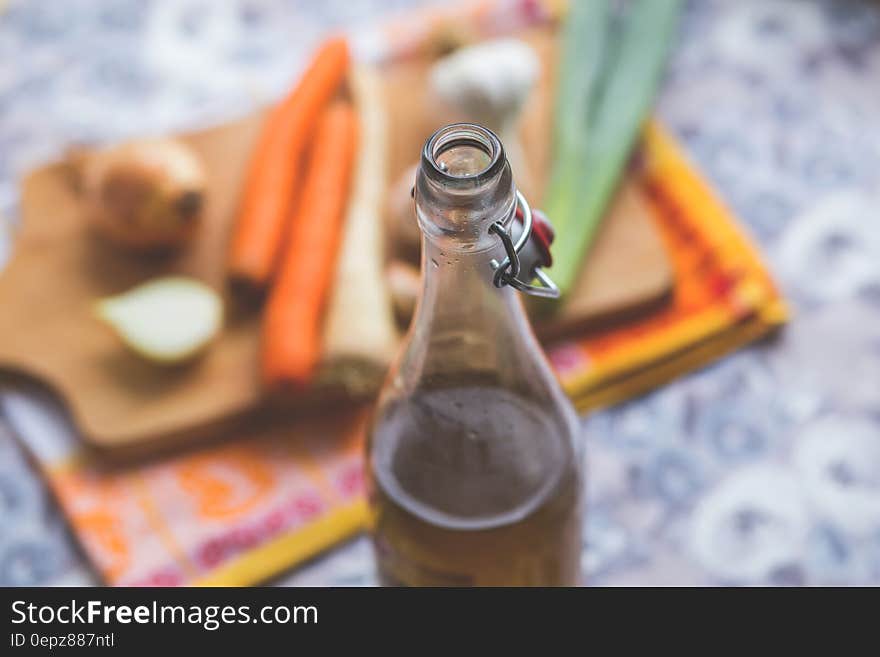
x: 474, y: 462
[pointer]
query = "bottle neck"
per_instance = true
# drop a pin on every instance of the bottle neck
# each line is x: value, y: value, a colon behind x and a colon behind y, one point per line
x: 465, y: 327
x: 463, y: 324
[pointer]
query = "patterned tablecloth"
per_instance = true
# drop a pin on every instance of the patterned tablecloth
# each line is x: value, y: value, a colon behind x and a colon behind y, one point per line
x: 762, y: 469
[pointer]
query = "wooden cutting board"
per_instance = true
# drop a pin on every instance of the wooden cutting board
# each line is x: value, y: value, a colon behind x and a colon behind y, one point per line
x: 59, y: 268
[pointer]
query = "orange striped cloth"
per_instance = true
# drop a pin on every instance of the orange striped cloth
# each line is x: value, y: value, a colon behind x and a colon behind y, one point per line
x: 723, y: 296
x: 232, y: 514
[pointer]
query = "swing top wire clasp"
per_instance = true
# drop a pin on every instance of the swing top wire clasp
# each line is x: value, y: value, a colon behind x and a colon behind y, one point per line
x: 509, y: 270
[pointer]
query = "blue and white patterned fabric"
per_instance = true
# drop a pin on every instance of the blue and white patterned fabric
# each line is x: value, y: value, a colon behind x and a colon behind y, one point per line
x: 761, y: 469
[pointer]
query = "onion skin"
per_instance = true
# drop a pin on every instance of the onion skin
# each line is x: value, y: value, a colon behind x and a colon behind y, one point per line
x: 144, y: 195
x: 404, y: 282
x: 403, y: 228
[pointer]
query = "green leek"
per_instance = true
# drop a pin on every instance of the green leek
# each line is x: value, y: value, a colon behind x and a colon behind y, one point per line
x: 607, y: 85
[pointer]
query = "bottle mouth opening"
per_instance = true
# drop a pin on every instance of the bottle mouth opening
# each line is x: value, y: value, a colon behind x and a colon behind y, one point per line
x: 463, y: 155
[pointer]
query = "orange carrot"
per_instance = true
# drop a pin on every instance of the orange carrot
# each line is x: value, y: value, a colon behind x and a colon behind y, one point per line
x: 292, y: 324
x: 273, y: 178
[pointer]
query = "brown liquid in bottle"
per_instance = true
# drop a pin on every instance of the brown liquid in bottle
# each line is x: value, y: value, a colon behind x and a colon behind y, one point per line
x: 474, y: 486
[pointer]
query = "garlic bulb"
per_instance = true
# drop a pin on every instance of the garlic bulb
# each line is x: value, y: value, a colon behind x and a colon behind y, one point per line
x: 488, y: 83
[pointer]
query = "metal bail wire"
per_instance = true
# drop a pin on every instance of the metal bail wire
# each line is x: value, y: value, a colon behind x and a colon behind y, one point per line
x: 507, y: 270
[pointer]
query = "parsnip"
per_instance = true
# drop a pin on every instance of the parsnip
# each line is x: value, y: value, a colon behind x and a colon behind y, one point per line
x: 359, y: 332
